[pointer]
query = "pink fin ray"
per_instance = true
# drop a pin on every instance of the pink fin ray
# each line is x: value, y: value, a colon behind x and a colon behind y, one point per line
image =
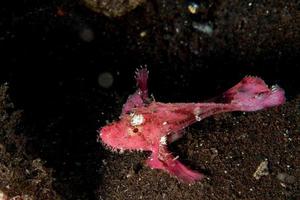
x: 165, y: 161
x: 141, y: 77
x: 139, y: 98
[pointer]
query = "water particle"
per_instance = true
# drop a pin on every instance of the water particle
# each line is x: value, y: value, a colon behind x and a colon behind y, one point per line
x: 105, y: 79
x: 87, y: 34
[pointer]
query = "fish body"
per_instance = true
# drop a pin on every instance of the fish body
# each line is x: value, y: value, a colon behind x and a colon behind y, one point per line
x: 150, y: 126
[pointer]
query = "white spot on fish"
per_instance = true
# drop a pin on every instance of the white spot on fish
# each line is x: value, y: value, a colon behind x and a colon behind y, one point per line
x: 274, y: 88
x: 198, y: 118
x: 163, y: 140
x: 197, y: 113
x: 137, y: 120
x: 176, y: 158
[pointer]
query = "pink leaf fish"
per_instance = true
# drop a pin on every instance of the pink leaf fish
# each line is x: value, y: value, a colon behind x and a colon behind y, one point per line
x: 150, y: 126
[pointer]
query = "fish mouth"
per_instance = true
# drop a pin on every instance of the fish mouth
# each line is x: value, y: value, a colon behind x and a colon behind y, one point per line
x: 116, y: 143
x: 111, y: 138
x: 108, y: 145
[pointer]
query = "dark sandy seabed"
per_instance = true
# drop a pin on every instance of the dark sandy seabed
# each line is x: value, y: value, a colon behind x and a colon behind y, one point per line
x: 66, y: 71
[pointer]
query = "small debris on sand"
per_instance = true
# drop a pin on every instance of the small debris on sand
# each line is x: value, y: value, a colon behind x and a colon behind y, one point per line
x: 262, y: 170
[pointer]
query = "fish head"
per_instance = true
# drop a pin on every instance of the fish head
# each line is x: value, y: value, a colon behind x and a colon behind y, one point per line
x: 125, y: 134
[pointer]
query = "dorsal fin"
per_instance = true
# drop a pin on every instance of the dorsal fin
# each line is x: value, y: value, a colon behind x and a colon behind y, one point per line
x: 140, y: 97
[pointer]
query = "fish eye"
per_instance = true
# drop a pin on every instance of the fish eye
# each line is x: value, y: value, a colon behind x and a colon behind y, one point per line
x: 135, y: 130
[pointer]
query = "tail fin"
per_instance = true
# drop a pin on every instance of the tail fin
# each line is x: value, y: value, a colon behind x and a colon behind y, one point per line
x: 252, y: 94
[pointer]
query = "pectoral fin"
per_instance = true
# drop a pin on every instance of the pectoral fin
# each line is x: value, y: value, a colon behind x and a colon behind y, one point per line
x: 163, y: 159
